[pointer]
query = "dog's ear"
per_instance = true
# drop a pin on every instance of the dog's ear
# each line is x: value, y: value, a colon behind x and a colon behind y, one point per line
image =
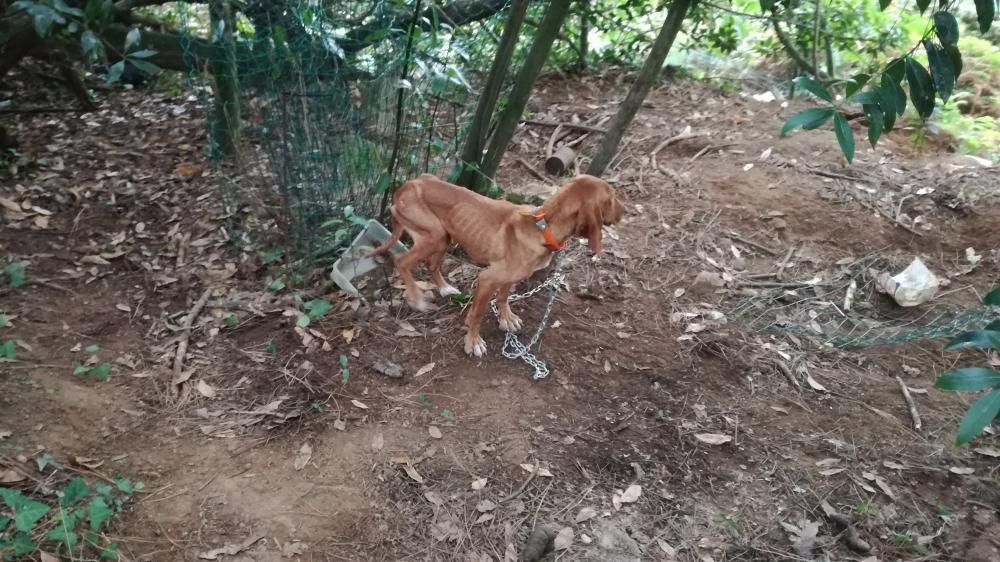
x: 593, y: 222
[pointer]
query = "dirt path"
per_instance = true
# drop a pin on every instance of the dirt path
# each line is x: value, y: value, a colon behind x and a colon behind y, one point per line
x: 270, y: 439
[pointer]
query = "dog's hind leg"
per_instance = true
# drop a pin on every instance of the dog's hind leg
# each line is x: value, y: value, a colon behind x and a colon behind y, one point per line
x: 434, y: 264
x: 405, y: 263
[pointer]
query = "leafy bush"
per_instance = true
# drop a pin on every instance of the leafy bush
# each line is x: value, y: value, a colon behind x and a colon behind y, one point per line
x: 71, y: 525
x: 974, y: 379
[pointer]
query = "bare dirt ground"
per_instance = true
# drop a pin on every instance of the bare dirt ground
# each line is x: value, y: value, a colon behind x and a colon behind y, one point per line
x: 670, y: 428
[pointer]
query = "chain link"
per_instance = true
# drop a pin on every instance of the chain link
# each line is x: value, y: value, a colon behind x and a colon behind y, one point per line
x: 512, y: 347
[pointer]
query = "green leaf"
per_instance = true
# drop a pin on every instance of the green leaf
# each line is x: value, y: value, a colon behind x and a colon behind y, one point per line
x: 871, y: 97
x: 276, y: 285
x: 144, y: 66
x: 970, y: 379
x: 43, y: 17
x: 318, y: 308
x: 28, y: 513
x: 115, y: 71
x: 231, y: 320
x: 110, y: 552
x: 91, y: 45
x: 11, y: 498
x: 23, y: 544
x: 941, y: 69
x: 65, y: 529
x: 81, y: 370
x: 808, y: 119
x: 132, y: 39
x: 922, y: 5
x: 91, y: 349
x: 883, y: 4
x: 980, y: 414
x: 70, y: 11
x: 845, y: 137
x: 75, y: 491
x: 985, y: 13
x: 946, y: 27
x: 343, y: 361
x: 303, y: 320
x: 992, y: 298
x: 101, y: 372
x: 993, y: 326
x: 814, y: 88
x: 956, y: 59
x: 43, y: 460
x: 125, y: 485
x: 8, y: 350
x: 896, y: 69
x: 979, y: 339
x: 4, y: 522
x: 856, y: 82
x: 143, y: 54
x: 98, y: 512
x: 876, y: 121
x: 921, y: 87
x: 15, y: 274
x: 893, y: 92
x: 3, y: 320
x: 345, y: 375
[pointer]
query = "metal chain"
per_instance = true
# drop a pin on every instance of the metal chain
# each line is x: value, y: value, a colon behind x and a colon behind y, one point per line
x: 512, y: 347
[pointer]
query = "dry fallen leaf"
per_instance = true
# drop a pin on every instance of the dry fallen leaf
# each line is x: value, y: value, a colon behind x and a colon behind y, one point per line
x: 412, y: 473
x: 434, y: 431
x: 434, y: 498
x: 90, y: 463
x: 206, y: 389
x: 893, y: 465
x: 585, y: 514
x: 631, y: 494
x: 713, y: 438
x: 348, y: 335
x: 425, y: 369
x: 340, y: 425
x: 564, y: 539
x: 303, y: 456
x: 359, y: 404
x: 378, y: 442
x: 988, y: 451
x: 123, y: 307
x: 9, y: 477
x: 815, y: 385
x: 541, y: 471
x: 670, y: 551
x: 485, y: 506
x: 46, y: 557
x: 962, y: 470
x: 479, y: 484
x: 832, y: 471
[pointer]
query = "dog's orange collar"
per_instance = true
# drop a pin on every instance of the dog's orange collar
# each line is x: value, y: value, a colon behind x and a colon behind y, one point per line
x: 550, y: 239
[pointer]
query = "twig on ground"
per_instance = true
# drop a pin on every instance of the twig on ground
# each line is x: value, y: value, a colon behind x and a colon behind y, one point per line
x: 531, y: 169
x: 578, y: 126
x: 910, y: 404
x: 552, y: 141
x: 524, y: 486
x: 683, y: 135
x: 780, y: 275
x: 757, y: 245
x: 185, y: 339
x: 784, y: 369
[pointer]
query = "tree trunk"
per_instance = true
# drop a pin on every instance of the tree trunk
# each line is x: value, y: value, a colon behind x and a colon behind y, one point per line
x: 523, y: 83
x: 475, y: 139
x: 584, y: 46
x: 790, y: 49
x: 225, y: 120
x: 20, y: 39
x: 640, y: 88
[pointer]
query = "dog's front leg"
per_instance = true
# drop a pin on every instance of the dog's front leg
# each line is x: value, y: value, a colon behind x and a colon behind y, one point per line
x: 486, y: 286
x: 509, y: 322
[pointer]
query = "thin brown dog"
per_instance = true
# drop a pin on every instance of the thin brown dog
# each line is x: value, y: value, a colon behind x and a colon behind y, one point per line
x: 512, y: 241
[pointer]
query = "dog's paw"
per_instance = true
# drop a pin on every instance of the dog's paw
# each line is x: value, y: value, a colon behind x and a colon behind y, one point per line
x: 511, y: 324
x: 475, y: 346
x: 419, y: 304
x: 448, y: 291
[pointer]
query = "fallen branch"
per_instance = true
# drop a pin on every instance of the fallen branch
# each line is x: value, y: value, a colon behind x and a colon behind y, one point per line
x: 524, y: 485
x: 910, y: 404
x: 757, y: 245
x: 784, y: 369
x: 780, y: 276
x: 578, y: 126
x: 553, y: 140
x: 683, y: 135
x: 531, y: 169
x: 851, y: 537
x: 185, y: 339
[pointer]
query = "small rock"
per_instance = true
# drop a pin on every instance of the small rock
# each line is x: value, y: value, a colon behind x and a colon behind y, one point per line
x: 707, y: 282
x: 388, y: 368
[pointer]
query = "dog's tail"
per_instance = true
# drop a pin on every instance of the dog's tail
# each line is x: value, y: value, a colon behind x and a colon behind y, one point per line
x: 397, y: 233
